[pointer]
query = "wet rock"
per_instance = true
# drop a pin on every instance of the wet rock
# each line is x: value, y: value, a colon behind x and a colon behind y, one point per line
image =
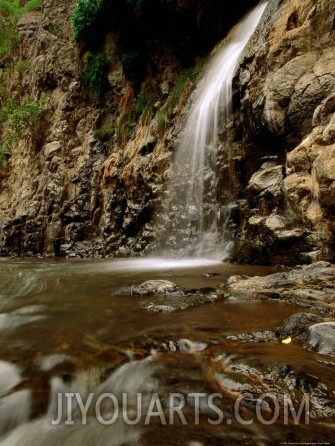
x: 297, y: 324
x: 151, y: 287
x: 321, y: 338
x: 257, y: 336
x: 180, y: 300
x: 311, y: 285
x: 184, y: 345
x: 9, y: 377
x: 269, y: 177
x: 156, y: 308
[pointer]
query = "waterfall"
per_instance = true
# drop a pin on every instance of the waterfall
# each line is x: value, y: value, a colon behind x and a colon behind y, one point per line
x: 199, y: 226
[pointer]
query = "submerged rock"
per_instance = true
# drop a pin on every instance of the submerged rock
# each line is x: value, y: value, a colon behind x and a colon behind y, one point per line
x: 178, y: 302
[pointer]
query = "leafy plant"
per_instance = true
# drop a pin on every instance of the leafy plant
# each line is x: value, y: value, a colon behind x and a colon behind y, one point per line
x: 23, y: 118
x: 10, y: 12
x: 19, y: 121
x: 21, y: 66
x: 85, y: 20
x: 164, y: 115
x: 144, y: 105
x: 95, y: 74
x: 162, y: 120
x: 31, y: 5
x: 7, y: 110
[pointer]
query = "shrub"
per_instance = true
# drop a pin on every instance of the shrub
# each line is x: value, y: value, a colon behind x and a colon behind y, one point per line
x: 85, y: 20
x: 22, y: 66
x: 19, y: 120
x: 31, y: 5
x: 95, y: 74
x: 22, y: 119
x: 10, y: 12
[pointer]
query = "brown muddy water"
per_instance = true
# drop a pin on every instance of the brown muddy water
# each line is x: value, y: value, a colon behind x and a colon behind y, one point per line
x: 82, y: 363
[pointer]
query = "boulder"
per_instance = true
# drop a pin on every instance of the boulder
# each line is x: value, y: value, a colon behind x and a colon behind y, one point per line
x: 321, y: 338
x: 150, y: 287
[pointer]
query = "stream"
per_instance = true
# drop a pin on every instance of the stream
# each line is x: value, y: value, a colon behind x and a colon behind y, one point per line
x: 83, y: 363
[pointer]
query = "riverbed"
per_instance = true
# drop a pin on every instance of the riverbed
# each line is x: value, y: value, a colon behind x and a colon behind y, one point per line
x: 72, y: 332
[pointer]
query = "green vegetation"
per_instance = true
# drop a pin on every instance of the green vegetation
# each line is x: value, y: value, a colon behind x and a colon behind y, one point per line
x: 21, y: 66
x: 23, y: 118
x: 164, y: 115
x: 4, y: 155
x: 19, y: 121
x: 32, y: 5
x: 94, y: 74
x: 85, y: 20
x: 10, y: 12
x: 144, y: 105
x: 3, y: 87
x: 86, y: 23
x: 135, y: 109
x: 53, y: 28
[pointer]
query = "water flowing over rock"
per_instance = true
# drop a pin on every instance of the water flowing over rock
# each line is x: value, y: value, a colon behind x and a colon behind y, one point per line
x: 198, y: 225
x: 90, y: 180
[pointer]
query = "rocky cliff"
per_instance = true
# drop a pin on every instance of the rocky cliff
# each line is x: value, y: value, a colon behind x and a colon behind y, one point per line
x: 88, y: 180
x: 279, y: 155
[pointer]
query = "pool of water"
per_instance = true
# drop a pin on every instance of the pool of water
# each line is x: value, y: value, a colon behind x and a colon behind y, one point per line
x: 71, y: 330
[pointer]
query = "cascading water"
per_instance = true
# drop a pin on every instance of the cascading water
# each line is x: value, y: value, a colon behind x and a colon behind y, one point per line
x: 199, y: 225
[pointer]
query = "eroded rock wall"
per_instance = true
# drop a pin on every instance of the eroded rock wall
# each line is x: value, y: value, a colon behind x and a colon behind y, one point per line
x: 89, y: 181
x: 283, y: 140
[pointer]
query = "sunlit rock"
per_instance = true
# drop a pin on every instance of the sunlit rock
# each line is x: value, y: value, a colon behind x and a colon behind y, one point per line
x: 321, y: 338
x: 154, y: 287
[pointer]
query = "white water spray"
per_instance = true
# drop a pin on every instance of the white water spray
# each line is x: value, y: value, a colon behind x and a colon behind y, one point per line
x: 202, y: 226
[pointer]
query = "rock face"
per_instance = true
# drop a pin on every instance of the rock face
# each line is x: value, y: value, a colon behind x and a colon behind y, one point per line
x: 90, y: 180
x: 283, y: 140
